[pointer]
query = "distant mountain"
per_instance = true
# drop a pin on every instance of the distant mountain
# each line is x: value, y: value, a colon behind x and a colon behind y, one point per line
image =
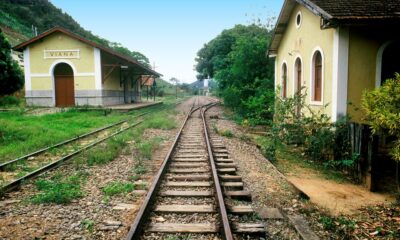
x: 212, y: 84
x: 19, y: 19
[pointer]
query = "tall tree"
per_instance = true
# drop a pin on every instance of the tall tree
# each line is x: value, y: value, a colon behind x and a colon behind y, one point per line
x: 236, y: 59
x: 11, y: 76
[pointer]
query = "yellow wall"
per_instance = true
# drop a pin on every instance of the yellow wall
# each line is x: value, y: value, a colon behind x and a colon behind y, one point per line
x: 301, y: 42
x: 363, y: 50
x: 59, y: 41
x: 42, y: 83
x: 113, y: 80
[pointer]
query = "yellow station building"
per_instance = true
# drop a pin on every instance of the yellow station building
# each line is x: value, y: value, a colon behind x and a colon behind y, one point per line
x: 335, y: 50
x: 64, y: 69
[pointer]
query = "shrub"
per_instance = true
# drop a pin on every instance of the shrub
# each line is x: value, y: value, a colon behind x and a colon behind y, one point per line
x: 320, y: 139
x: 382, y: 108
x: 9, y: 101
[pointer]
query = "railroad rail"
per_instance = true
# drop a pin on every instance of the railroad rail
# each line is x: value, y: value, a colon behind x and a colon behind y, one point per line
x: 193, y: 193
x: 12, y: 180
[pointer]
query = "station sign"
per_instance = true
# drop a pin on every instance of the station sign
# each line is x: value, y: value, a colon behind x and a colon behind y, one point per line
x: 61, y: 53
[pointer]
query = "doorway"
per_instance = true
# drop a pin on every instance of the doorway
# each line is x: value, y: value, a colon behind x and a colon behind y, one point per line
x: 390, y: 62
x: 64, y: 85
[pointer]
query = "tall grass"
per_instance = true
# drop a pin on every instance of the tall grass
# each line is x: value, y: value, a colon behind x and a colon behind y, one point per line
x: 20, y: 134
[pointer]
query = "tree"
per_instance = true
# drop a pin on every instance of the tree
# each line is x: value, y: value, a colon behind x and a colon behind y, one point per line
x: 236, y: 59
x: 382, y: 108
x: 11, y: 76
x: 175, y: 81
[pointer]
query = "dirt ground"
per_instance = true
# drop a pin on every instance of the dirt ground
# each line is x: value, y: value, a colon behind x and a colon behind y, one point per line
x: 338, y: 198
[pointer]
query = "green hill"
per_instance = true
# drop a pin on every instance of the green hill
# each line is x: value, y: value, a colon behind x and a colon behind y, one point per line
x: 17, y: 17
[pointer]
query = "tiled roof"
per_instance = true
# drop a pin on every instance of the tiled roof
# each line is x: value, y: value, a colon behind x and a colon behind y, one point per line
x: 356, y: 9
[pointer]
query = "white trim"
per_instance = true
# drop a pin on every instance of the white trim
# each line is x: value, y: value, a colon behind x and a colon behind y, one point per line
x: 78, y: 55
x: 312, y: 77
x: 340, y: 72
x: 287, y: 77
x: 301, y: 19
x: 295, y: 72
x: 379, y: 56
x: 27, y: 70
x: 75, y: 75
x: 97, y: 68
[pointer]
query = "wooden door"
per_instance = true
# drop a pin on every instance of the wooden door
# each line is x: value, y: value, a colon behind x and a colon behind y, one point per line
x: 318, y: 77
x: 318, y: 83
x: 65, y: 91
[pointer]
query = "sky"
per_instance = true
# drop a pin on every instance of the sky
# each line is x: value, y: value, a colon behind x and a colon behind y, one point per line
x: 168, y: 32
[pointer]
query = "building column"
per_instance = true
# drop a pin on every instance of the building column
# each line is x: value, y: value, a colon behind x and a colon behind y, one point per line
x: 340, y: 72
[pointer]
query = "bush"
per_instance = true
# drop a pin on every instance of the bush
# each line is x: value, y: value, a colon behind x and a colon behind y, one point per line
x: 382, y: 108
x: 320, y: 139
x: 9, y: 101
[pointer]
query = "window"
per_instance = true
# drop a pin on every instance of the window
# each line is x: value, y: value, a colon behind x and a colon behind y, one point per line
x: 317, y: 77
x: 298, y: 19
x: 297, y: 75
x: 297, y: 81
x: 284, y: 80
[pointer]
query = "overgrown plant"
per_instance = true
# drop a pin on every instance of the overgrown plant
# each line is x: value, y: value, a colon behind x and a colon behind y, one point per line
x: 295, y: 122
x: 382, y: 108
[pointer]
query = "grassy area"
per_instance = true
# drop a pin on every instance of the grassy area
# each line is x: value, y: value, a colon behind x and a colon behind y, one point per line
x: 59, y: 189
x: 21, y: 134
x: 118, y: 188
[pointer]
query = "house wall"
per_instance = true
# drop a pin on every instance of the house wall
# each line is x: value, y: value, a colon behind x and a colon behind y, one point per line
x: 302, y: 42
x: 364, y: 45
x: 39, y: 73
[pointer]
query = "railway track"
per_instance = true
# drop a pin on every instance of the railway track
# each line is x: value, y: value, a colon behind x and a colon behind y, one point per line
x: 196, y: 194
x: 14, y: 172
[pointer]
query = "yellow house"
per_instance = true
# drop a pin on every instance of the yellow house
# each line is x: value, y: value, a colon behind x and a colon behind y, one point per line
x: 335, y: 50
x: 64, y: 69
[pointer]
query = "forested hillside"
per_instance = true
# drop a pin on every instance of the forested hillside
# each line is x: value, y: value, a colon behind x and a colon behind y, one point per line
x: 18, y: 16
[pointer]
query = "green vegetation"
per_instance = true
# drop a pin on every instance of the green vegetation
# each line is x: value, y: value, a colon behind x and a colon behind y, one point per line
x: 382, y: 108
x: 236, y: 59
x: 59, y: 189
x: 21, y: 134
x: 118, y: 188
x: 113, y: 148
x: 87, y: 224
x: 11, y: 76
x: 161, y: 121
x: 20, y: 16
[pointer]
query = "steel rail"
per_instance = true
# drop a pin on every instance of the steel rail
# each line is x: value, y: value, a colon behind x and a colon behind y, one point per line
x: 227, y: 232
x: 137, y: 225
x: 54, y: 164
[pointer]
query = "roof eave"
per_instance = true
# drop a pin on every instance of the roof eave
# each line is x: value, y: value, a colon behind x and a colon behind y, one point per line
x: 21, y: 46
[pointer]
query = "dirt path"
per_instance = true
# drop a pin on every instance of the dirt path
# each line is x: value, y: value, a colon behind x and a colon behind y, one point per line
x: 337, y: 198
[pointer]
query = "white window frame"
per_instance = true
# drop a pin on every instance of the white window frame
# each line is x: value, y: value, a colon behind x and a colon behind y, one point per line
x: 312, y: 77
x: 301, y: 19
x: 298, y: 56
